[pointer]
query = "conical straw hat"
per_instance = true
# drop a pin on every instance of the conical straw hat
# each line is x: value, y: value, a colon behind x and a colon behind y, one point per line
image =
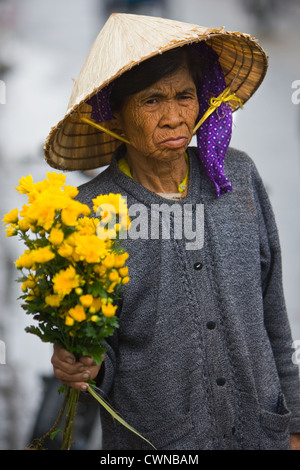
x: 124, y: 42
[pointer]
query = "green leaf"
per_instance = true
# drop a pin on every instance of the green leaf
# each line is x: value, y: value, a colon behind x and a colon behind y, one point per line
x: 115, y: 415
x: 90, y: 331
x: 97, y: 354
x: 98, y: 358
x: 61, y: 389
x: 35, y: 331
x: 54, y: 433
x: 96, y: 289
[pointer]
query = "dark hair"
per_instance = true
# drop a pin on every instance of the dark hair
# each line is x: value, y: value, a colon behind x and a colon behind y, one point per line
x: 152, y: 70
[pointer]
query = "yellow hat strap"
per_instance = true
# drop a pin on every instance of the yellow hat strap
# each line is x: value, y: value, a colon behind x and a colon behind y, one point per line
x: 215, y: 102
x: 103, y: 129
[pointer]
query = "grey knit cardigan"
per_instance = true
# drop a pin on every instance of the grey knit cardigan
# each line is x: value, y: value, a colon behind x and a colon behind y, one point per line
x: 202, y: 358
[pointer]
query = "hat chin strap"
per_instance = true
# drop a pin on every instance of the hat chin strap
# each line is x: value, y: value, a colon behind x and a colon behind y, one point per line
x: 104, y: 129
x: 215, y: 102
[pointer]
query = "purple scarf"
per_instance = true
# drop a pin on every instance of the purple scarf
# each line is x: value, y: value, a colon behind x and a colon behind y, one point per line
x: 214, y: 134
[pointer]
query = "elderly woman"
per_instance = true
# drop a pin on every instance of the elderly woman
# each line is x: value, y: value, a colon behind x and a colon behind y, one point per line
x: 202, y: 358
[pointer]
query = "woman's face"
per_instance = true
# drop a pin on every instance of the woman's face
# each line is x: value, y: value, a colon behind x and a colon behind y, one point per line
x: 159, y: 121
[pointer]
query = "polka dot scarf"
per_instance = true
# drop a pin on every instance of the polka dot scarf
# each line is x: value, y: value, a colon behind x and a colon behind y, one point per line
x: 214, y: 134
x: 101, y: 110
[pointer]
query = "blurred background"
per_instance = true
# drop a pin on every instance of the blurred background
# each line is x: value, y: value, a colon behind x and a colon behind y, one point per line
x: 43, y: 45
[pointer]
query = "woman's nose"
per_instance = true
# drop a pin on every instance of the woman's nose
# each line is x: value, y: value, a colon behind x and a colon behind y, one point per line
x: 171, y: 115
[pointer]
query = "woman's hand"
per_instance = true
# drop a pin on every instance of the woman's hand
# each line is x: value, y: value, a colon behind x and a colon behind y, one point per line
x: 295, y: 442
x: 71, y: 372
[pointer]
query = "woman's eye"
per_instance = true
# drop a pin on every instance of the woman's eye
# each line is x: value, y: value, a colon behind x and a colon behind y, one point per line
x: 185, y: 97
x: 152, y: 101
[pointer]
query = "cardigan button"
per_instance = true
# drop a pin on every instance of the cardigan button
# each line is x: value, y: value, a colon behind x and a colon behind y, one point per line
x: 221, y: 381
x: 198, y: 266
x: 211, y: 325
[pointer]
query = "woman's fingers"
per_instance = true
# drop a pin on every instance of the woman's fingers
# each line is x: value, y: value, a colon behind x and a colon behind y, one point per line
x: 71, y: 372
x: 62, y: 355
x: 66, y: 376
x: 81, y: 386
x: 76, y: 382
x: 90, y: 365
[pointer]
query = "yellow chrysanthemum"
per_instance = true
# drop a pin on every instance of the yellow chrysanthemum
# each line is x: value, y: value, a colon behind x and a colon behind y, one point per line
x: 46, y: 206
x: 96, y: 305
x: 95, y: 318
x: 11, y: 217
x: 72, y: 239
x: 72, y: 211
x: 31, y: 296
x: 111, y: 287
x: 125, y: 280
x: 65, y: 280
x: 27, y: 214
x: 90, y: 248
x: 40, y: 213
x: 69, y: 321
x: 25, y: 260
x: 42, y: 255
x: 86, y: 300
x: 65, y: 250
x: 100, y: 270
x: 109, y: 310
x: 26, y: 185
x: 56, y: 236
x: 77, y: 313
x: 123, y: 271
x: 113, y: 276
x: 105, y: 203
x: 24, y: 224
x: 70, y: 191
x: 120, y: 260
x: 54, y: 181
x: 69, y: 217
x: 87, y: 226
x: 11, y: 231
x: 30, y: 283
x: 109, y: 261
x: 53, y: 300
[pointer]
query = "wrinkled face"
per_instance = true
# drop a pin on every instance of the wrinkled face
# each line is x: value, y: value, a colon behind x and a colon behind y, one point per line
x: 159, y: 121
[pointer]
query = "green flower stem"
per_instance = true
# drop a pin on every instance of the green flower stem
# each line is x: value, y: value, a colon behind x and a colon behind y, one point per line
x: 72, y: 399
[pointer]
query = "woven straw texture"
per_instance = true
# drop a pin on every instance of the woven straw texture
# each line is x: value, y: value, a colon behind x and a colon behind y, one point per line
x: 125, y: 41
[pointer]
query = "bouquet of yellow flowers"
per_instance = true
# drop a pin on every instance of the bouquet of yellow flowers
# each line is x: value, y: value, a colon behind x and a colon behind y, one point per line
x: 73, y: 270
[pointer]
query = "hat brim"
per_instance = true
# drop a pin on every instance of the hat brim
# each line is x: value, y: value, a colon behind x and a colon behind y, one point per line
x: 75, y: 145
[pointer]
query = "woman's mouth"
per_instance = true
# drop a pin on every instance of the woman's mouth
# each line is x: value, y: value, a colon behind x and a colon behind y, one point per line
x: 174, y: 142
